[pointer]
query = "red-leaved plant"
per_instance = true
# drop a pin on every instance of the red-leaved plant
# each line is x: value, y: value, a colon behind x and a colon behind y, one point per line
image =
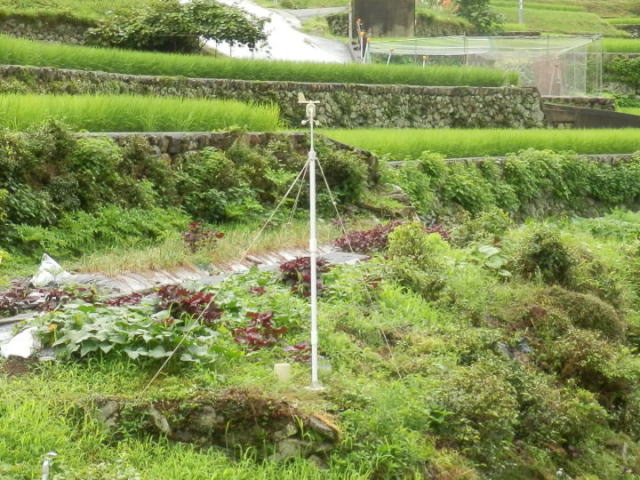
x: 260, y: 333
x: 297, y: 274
x: 178, y: 300
x: 300, y: 352
x: 377, y: 239
x: 197, y: 237
x: 20, y: 297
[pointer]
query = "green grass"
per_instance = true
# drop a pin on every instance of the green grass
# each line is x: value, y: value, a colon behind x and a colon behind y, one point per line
x: 401, y: 144
x: 631, y: 111
x: 25, y: 52
x: 122, y: 113
x: 621, y: 45
x: 624, y: 21
x: 86, y: 9
x: 554, y: 21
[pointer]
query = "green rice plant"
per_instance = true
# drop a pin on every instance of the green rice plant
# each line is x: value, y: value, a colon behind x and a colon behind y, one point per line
x: 621, y: 45
x: 624, y: 21
x: 456, y: 143
x: 83, y: 9
x: 121, y: 113
x: 15, y: 51
x: 552, y: 20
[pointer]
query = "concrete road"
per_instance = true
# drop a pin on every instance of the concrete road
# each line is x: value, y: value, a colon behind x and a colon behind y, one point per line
x: 285, y: 41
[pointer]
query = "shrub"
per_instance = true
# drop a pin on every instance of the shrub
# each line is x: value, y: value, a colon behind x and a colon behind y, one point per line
x: 169, y: 26
x: 597, y: 365
x: 416, y: 259
x: 482, y: 410
x: 586, y: 311
x: 479, y: 13
x: 625, y: 69
x: 81, y: 233
x: 543, y: 253
x: 489, y: 224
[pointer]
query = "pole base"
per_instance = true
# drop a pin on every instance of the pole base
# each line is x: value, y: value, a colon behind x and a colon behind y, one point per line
x: 315, y: 387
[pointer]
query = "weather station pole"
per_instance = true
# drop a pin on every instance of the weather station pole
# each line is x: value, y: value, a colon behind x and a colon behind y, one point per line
x: 313, y: 241
x: 521, y: 12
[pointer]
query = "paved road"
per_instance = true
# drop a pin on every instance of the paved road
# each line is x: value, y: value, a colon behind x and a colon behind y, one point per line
x: 285, y: 40
x: 303, y: 14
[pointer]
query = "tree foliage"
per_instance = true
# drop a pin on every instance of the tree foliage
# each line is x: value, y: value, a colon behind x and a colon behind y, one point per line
x: 479, y: 13
x: 168, y: 26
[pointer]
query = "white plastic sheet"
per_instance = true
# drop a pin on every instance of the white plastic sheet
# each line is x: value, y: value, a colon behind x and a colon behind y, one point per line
x: 49, y: 273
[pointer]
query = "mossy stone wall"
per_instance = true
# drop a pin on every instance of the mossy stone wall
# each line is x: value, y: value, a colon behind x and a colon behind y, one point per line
x: 342, y: 105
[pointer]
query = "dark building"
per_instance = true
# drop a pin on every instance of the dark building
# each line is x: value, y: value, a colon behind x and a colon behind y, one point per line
x: 386, y: 18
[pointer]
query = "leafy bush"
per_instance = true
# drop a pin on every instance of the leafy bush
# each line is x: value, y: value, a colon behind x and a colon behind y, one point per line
x: 625, y: 69
x: 169, y: 26
x: 137, y: 332
x: 110, y: 227
x: 543, y: 253
x: 179, y: 301
x: 197, y: 237
x: 297, y: 274
x: 586, y: 311
x: 482, y: 410
x: 417, y: 259
x: 479, y: 13
x: 260, y: 333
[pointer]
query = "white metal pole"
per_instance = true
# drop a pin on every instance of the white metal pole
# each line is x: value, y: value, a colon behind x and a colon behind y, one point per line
x: 521, y: 12
x: 313, y: 249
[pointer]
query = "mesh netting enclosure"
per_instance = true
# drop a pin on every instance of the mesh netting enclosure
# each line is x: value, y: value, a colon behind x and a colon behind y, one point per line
x: 564, y: 66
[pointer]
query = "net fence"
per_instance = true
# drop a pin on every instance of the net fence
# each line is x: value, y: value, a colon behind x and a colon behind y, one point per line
x: 556, y: 65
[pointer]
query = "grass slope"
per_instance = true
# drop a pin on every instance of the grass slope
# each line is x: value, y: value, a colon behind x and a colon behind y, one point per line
x: 89, y: 9
x: 25, y: 52
x: 126, y: 113
x: 410, y: 143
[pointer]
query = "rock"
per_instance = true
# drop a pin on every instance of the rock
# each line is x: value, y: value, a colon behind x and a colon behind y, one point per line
x: 206, y: 418
x: 291, y: 448
x: 323, y: 426
x: 159, y: 420
x: 288, y: 431
x: 109, y: 413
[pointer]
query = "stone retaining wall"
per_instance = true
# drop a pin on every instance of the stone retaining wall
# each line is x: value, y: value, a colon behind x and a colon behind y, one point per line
x: 596, y: 103
x: 173, y: 144
x: 45, y: 28
x: 342, y: 105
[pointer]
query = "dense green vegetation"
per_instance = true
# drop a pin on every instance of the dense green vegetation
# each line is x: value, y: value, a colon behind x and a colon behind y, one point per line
x: 532, y: 183
x: 24, y: 52
x: 73, y: 196
x: 621, y: 45
x: 409, y: 143
x: 505, y: 353
x: 172, y: 26
x: 127, y: 113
